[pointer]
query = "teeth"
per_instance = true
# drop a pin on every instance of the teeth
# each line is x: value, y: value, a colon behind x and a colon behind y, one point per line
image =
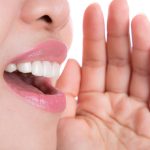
x: 47, y: 69
x: 11, y: 68
x: 24, y: 67
x: 56, y: 69
x: 37, y: 68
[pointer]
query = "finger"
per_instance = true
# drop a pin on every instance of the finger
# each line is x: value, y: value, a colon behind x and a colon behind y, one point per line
x: 69, y: 83
x: 140, y: 57
x: 118, y: 47
x: 94, y: 53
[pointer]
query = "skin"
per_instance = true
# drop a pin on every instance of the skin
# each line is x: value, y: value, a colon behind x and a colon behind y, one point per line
x: 23, y: 127
x: 112, y: 85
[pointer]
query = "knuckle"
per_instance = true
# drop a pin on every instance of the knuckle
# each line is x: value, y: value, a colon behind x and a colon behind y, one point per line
x: 94, y: 63
x: 118, y: 62
x: 141, y: 71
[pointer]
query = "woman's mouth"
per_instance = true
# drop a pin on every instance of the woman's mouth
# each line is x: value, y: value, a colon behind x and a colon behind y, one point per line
x: 32, y: 76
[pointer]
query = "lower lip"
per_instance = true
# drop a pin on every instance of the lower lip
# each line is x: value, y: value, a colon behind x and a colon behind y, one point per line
x: 50, y: 103
x: 50, y: 50
x: 55, y: 103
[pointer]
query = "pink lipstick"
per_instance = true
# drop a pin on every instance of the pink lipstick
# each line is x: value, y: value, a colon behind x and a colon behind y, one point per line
x: 34, y: 90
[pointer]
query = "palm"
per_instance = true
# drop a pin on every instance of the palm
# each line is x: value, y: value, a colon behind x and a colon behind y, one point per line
x: 122, y: 125
x: 112, y: 112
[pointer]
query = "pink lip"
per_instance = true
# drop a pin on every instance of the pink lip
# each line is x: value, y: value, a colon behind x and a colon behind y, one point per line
x: 51, y: 51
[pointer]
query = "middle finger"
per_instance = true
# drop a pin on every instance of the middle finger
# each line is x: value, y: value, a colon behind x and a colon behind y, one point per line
x: 118, y: 48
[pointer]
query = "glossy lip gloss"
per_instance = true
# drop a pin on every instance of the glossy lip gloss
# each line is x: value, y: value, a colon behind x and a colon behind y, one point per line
x: 50, y: 50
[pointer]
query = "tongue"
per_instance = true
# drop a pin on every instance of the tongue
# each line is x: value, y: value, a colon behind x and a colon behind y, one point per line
x: 15, y: 82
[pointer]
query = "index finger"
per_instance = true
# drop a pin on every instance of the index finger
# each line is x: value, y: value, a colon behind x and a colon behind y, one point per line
x: 94, y: 51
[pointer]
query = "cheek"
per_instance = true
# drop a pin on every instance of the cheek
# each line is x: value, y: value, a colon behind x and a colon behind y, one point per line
x: 8, y: 12
x: 67, y: 34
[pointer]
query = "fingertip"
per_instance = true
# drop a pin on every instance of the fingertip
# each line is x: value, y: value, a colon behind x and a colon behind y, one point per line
x: 92, y: 11
x: 93, y: 25
x: 140, y: 19
x: 118, y: 18
x: 116, y: 5
x: 141, y: 32
x: 69, y: 80
x: 71, y: 66
x: 72, y: 61
x: 94, y: 6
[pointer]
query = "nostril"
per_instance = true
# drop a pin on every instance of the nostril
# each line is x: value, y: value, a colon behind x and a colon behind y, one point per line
x: 46, y: 18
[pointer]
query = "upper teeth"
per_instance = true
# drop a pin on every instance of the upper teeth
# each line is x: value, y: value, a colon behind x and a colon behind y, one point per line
x: 37, y: 68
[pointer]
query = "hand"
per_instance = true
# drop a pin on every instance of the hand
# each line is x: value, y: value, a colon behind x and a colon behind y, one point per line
x: 112, y: 85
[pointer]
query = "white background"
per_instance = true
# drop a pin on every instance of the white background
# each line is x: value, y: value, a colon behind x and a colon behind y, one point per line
x: 77, y: 10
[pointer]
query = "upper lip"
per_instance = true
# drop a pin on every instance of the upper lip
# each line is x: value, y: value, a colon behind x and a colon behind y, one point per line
x: 53, y: 100
x: 50, y: 50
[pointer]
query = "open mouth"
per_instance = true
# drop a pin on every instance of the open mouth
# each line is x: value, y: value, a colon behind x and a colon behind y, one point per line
x: 32, y: 76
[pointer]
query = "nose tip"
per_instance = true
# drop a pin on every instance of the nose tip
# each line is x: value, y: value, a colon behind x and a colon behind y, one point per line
x: 53, y: 13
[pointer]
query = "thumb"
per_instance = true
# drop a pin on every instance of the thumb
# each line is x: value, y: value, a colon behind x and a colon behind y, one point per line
x: 69, y: 83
